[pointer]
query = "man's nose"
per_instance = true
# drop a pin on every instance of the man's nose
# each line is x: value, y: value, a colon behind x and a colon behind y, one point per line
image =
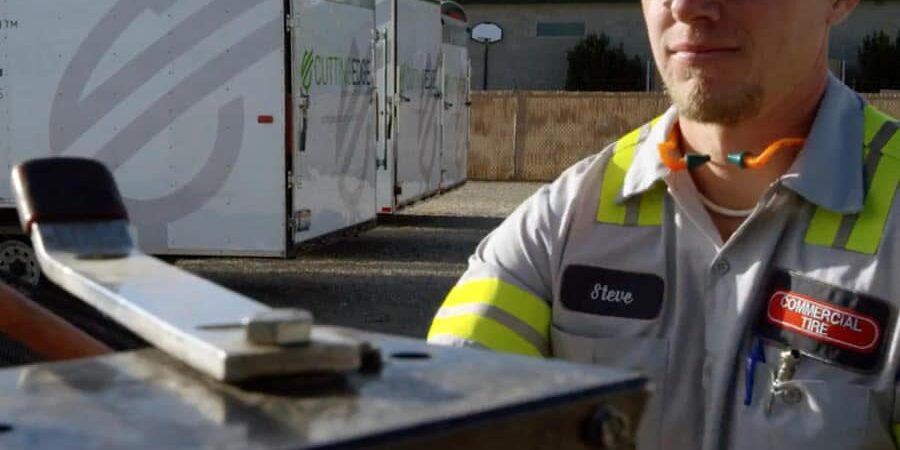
x: 693, y: 11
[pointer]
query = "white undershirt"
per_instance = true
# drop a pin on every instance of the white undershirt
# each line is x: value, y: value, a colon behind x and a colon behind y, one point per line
x: 721, y: 210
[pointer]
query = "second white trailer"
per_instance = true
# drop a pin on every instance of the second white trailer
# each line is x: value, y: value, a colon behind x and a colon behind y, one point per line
x: 455, y: 82
x: 333, y: 185
x: 407, y: 62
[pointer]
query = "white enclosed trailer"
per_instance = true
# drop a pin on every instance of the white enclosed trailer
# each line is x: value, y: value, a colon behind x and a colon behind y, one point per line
x: 334, y: 166
x: 455, y: 82
x: 233, y: 127
x: 407, y: 62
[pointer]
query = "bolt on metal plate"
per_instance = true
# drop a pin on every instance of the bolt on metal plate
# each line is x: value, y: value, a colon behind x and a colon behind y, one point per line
x: 281, y: 326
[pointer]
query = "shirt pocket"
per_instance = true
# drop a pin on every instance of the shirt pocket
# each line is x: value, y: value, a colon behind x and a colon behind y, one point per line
x: 643, y: 354
x: 821, y: 414
x: 827, y: 416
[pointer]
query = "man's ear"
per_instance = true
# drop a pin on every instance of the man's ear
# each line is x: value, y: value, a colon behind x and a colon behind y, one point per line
x: 840, y: 10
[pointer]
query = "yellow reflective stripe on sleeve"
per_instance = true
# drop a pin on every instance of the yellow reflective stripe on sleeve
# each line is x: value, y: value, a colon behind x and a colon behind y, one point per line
x: 484, y: 331
x: 519, y: 303
x: 651, y: 212
x: 608, y: 211
x: 496, y: 315
x: 867, y: 232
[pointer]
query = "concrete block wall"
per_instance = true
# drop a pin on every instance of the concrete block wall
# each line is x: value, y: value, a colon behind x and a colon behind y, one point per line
x: 527, y: 62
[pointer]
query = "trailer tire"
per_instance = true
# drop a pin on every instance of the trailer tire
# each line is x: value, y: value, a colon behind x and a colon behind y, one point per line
x: 19, y: 263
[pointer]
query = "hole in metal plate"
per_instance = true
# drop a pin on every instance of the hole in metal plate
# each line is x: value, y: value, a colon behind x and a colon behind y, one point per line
x: 410, y: 355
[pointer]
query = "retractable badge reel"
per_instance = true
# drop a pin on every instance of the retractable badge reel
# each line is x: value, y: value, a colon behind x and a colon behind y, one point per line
x: 780, y: 389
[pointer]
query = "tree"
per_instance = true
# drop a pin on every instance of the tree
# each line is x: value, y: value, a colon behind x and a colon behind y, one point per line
x: 878, y: 63
x: 595, y: 64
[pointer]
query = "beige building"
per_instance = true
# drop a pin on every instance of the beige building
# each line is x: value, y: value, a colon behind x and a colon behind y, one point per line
x: 537, y: 35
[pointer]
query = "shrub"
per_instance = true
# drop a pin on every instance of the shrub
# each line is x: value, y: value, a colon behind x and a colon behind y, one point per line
x: 595, y: 64
x: 878, y: 63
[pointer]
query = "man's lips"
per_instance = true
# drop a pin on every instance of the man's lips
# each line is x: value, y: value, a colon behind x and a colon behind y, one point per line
x: 700, y: 52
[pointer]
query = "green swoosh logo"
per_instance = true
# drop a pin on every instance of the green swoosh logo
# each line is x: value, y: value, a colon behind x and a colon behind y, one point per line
x: 306, y: 69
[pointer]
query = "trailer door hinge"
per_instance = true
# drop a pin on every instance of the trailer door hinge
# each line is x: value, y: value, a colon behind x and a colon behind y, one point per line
x: 291, y: 22
x: 303, y: 102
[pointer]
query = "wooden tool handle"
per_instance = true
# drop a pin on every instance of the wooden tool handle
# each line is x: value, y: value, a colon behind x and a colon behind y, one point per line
x: 42, y: 331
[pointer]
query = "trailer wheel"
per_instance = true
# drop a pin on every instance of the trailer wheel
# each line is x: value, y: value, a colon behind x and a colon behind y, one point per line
x: 19, y: 263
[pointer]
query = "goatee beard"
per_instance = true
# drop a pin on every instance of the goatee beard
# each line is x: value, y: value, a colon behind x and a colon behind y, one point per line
x: 699, y: 103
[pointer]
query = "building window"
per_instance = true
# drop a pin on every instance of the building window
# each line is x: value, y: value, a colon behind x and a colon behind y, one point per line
x: 560, y: 29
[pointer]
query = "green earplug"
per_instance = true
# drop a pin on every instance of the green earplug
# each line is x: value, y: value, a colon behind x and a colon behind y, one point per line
x: 693, y: 160
x: 737, y: 159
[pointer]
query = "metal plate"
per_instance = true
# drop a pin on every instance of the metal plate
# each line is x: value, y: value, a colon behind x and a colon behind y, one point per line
x: 424, y: 394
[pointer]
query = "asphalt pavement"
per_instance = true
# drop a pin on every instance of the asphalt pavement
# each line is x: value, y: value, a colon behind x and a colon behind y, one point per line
x: 389, y: 279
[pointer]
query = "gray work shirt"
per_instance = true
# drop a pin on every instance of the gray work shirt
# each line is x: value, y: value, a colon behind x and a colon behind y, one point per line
x: 712, y: 295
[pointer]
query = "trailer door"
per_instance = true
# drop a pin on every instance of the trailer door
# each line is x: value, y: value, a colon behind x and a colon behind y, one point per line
x: 455, y: 111
x: 418, y: 24
x: 334, y: 159
x: 386, y: 115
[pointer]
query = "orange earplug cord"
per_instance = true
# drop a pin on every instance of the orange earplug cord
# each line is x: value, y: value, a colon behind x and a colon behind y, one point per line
x: 756, y: 162
x: 670, y: 148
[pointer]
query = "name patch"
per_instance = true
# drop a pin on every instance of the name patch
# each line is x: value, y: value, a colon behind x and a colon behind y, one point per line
x: 824, y: 321
x: 606, y: 292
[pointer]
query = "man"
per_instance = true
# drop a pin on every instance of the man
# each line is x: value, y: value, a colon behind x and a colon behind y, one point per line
x: 754, y: 287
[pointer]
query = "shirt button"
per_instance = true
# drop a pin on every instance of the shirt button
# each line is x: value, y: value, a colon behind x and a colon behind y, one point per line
x: 721, y: 266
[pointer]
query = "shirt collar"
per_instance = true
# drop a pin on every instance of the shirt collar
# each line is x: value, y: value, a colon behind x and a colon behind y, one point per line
x: 828, y: 172
x: 647, y: 168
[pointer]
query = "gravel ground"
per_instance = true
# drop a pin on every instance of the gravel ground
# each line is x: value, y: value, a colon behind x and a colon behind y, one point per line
x: 475, y: 199
x: 389, y: 279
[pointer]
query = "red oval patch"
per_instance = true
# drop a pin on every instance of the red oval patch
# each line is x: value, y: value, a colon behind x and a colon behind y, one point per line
x: 823, y: 322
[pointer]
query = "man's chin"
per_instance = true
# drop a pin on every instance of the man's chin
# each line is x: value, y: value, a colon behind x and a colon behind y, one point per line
x: 726, y: 106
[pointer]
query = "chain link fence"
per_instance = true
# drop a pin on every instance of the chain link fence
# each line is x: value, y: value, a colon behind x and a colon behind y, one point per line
x: 887, y: 102
x: 535, y: 135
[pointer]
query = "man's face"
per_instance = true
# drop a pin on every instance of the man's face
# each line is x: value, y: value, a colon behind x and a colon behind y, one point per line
x: 724, y: 61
